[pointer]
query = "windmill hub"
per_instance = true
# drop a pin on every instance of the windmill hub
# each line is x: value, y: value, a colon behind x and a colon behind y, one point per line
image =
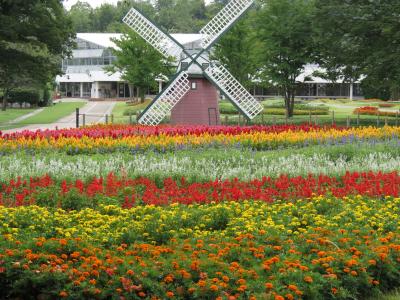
x: 191, y: 95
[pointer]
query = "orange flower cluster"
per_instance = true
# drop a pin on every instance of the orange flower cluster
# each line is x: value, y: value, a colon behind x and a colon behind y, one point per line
x: 250, y: 266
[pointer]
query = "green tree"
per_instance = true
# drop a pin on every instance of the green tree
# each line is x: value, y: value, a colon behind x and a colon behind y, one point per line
x: 104, y: 15
x: 34, y: 36
x: 165, y: 14
x: 284, y: 43
x: 138, y: 62
x: 82, y: 17
x: 189, y: 16
x: 236, y: 51
x: 364, y: 38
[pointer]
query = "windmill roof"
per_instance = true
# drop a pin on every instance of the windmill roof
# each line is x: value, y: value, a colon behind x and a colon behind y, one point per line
x: 105, y: 39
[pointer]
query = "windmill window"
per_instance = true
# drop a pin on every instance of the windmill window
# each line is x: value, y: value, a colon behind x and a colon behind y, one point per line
x: 194, y: 85
x: 184, y: 65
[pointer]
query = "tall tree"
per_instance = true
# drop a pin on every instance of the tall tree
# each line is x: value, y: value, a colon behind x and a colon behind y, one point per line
x: 138, y: 62
x: 34, y: 36
x: 236, y: 50
x: 189, y: 16
x: 166, y: 14
x: 363, y: 37
x: 284, y: 43
x: 82, y: 17
x: 104, y: 16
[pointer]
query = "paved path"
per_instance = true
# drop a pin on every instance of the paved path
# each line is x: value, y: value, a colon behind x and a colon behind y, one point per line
x: 95, y: 113
x: 21, y: 118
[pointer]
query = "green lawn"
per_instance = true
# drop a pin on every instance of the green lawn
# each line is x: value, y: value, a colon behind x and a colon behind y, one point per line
x: 13, y: 113
x: 340, y: 108
x: 122, y: 109
x: 53, y: 113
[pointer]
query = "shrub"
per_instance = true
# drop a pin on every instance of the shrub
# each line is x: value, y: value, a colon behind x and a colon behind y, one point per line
x: 21, y: 96
x: 386, y: 105
x: 296, y: 112
x: 279, y: 109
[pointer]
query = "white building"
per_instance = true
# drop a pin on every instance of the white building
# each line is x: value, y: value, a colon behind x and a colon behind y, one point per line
x: 85, y: 76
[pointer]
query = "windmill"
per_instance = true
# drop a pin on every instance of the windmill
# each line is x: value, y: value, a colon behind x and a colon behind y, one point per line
x: 191, y: 95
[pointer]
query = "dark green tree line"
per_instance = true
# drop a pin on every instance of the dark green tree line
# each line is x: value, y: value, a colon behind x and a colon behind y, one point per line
x: 34, y: 36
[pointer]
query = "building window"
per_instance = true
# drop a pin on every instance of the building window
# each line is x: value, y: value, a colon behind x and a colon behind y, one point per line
x: 194, y: 85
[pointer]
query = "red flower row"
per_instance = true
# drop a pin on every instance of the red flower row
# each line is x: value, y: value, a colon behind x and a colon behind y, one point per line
x: 129, y: 192
x: 118, y: 131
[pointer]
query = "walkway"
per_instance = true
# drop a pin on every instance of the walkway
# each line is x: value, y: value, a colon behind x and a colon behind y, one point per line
x: 95, y: 113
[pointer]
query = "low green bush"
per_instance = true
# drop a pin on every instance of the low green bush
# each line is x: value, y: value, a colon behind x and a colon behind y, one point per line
x: 279, y: 109
x: 296, y: 112
x: 23, y: 95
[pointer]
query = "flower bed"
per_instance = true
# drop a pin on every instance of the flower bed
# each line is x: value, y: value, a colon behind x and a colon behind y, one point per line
x: 45, y: 191
x: 374, y: 111
x: 118, y: 131
x: 172, y: 221
x: 205, y: 165
x: 260, y: 138
x: 323, y: 248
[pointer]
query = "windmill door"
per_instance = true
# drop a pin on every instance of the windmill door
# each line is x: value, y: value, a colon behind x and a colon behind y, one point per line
x: 212, y: 116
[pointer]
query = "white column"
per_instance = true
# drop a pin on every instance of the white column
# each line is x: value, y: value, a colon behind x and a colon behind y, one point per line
x: 160, y: 86
x: 95, y: 90
x: 351, y: 91
x: 81, y: 90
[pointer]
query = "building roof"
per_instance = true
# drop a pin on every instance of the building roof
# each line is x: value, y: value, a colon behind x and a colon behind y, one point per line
x: 105, y: 39
x: 91, y: 76
x: 307, y: 75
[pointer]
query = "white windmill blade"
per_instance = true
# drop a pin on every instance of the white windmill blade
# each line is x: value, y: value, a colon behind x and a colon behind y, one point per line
x: 164, y: 102
x: 152, y: 34
x: 234, y: 90
x: 223, y: 20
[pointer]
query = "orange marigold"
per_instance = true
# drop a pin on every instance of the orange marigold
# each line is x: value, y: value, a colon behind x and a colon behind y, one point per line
x: 269, y: 285
x: 170, y: 294
x: 372, y: 262
x: 292, y: 287
x: 214, y: 288
x: 130, y: 272
x: 63, y: 294
x: 308, y: 279
x: 289, y: 296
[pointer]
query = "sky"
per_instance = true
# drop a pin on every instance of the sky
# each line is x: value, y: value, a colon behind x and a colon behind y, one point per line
x: 94, y: 3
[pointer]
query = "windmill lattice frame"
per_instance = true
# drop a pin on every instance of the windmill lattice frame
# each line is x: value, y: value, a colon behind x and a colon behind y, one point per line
x: 177, y: 88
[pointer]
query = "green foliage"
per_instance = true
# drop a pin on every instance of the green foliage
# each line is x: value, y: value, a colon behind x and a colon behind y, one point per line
x: 361, y: 37
x: 82, y: 16
x: 31, y: 96
x: 138, y: 61
x: 375, y: 89
x: 235, y: 51
x: 35, y: 35
x: 227, y: 108
x: 185, y: 16
x: 284, y: 43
